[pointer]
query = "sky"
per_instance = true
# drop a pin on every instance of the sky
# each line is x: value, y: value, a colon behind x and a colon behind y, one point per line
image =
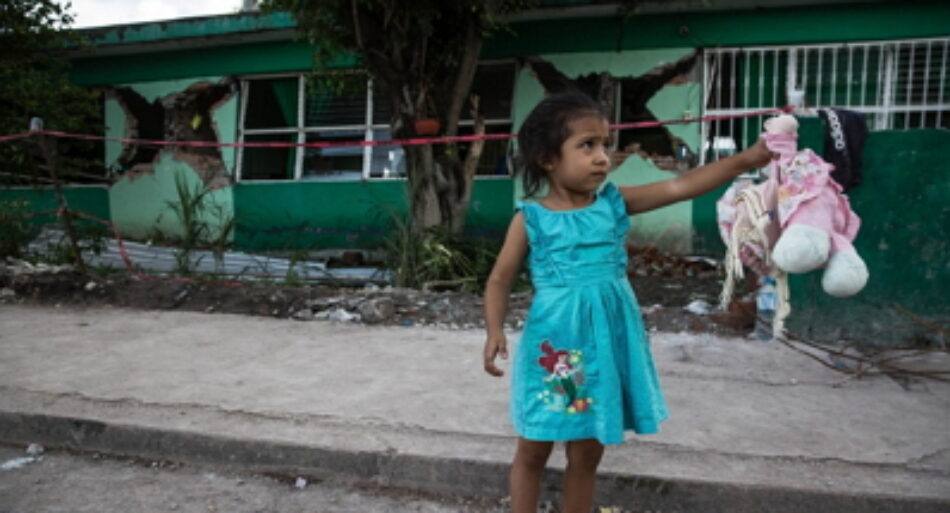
x: 93, y: 13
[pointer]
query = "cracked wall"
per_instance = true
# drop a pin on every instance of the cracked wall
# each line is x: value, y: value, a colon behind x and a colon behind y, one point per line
x: 190, y: 109
x: 670, y: 228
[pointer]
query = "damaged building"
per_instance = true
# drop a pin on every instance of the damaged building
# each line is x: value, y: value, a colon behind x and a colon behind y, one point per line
x: 243, y: 78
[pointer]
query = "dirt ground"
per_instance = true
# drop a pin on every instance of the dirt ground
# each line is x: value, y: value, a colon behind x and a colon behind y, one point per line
x: 664, y: 285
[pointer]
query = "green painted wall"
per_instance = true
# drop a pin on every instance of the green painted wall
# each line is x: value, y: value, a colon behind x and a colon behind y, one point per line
x: 292, y: 215
x: 669, y: 228
x: 905, y: 229
x: 706, y: 238
x: 90, y: 199
x: 490, y: 207
x: 140, y: 204
x: 313, y: 215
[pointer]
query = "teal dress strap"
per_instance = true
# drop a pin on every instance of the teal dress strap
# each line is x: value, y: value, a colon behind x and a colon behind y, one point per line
x: 618, y: 205
x: 530, y: 213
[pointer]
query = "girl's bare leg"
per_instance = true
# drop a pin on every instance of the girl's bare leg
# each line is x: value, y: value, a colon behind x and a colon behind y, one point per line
x: 583, y: 457
x: 526, y: 472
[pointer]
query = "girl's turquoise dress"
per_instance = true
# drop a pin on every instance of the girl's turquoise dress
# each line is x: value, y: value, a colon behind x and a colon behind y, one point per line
x: 583, y: 367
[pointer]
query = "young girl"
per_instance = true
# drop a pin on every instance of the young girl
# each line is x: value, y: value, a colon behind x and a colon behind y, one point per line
x: 583, y: 372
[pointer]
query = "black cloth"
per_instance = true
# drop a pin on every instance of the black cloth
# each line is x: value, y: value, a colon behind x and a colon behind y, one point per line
x: 845, y: 133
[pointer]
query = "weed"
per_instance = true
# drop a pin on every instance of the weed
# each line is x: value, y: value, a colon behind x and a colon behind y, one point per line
x: 421, y: 257
x: 15, y: 231
x: 292, y: 278
x: 191, y: 209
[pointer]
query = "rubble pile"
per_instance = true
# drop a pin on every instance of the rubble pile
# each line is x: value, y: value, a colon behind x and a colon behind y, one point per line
x: 665, y: 285
x: 650, y: 261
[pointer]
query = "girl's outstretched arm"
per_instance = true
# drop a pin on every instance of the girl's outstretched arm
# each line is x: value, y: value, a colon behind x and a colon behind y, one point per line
x: 695, y: 182
x: 497, y: 289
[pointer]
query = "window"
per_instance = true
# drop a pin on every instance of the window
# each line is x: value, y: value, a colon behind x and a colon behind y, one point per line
x: 270, y: 114
x: 494, y: 85
x: 897, y: 84
x: 288, y: 109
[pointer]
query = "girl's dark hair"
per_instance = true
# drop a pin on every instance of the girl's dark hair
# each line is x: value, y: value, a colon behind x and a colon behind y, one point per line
x: 545, y: 130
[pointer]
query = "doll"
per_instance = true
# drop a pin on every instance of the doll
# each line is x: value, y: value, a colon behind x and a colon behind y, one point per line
x: 816, y: 221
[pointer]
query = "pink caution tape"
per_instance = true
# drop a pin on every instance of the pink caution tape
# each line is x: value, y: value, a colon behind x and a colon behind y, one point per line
x: 413, y: 141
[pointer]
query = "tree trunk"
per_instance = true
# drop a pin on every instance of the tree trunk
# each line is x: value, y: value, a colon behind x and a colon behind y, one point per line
x: 439, y: 183
x: 423, y: 194
x: 469, y: 167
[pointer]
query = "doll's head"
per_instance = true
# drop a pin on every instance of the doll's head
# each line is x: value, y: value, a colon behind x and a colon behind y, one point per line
x: 545, y: 130
x: 781, y: 124
x: 781, y: 136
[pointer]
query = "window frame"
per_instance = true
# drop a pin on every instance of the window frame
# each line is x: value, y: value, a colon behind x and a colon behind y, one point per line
x: 368, y: 127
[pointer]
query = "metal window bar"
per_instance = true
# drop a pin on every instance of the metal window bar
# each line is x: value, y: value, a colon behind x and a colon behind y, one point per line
x: 943, y: 79
x: 909, y: 86
x: 368, y: 132
x: 926, y: 83
x: 864, y: 76
x: 745, y: 92
x: 775, y: 82
x: 834, y: 75
x: 239, y: 158
x: 301, y: 124
x: 887, y: 97
x: 732, y: 94
x: 847, y: 99
x: 898, y: 84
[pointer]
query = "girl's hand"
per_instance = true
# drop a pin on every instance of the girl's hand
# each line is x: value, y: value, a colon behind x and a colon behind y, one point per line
x: 757, y: 155
x: 496, y: 345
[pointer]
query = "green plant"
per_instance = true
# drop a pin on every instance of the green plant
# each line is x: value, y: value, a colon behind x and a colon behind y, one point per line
x: 90, y: 237
x: 15, y: 231
x: 420, y: 258
x: 192, y: 209
x: 292, y: 278
x: 36, y: 42
x: 221, y: 240
x: 188, y: 209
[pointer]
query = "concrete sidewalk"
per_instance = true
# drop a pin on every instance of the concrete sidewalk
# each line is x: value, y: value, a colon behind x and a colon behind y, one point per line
x: 754, y: 426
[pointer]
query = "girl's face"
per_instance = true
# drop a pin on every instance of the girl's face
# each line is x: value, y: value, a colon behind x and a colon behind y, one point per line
x: 584, y: 161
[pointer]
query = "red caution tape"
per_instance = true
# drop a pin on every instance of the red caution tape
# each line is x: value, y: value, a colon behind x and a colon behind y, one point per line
x: 414, y: 141
x: 13, y: 137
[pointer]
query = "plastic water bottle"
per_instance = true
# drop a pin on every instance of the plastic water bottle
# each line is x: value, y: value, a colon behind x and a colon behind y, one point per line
x: 765, y: 309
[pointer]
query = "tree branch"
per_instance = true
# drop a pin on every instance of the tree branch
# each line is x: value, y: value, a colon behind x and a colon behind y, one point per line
x: 463, y: 81
x: 475, y: 149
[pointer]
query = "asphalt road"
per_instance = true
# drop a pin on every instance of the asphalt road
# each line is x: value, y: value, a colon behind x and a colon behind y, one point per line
x: 60, y: 482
